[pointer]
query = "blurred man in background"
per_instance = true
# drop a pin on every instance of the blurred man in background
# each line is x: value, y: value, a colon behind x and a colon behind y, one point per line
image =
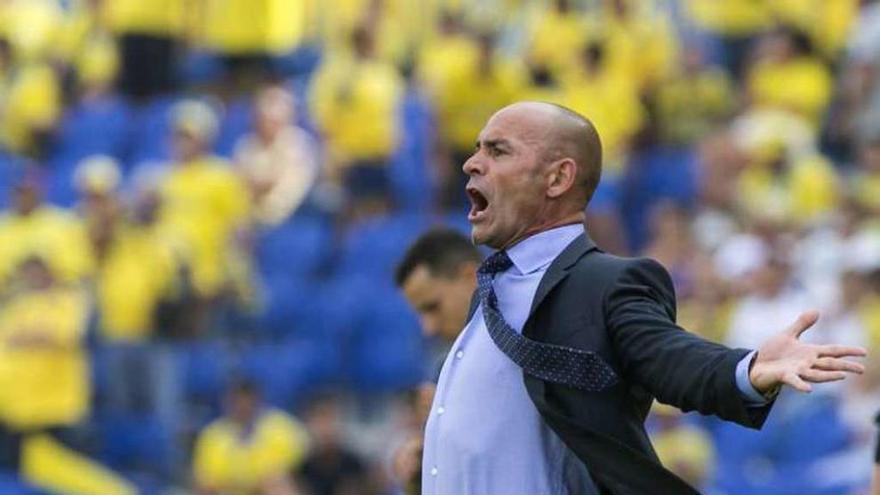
x: 250, y: 449
x: 437, y: 276
x: 278, y: 161
x: 205, y: 205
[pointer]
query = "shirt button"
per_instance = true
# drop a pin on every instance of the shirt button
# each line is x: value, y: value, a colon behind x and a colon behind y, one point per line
x: 441, y: 410
x: 459, y: 354
x: 434, y: 471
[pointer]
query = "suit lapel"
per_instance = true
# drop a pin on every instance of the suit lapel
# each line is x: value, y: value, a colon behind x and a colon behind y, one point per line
x: 558, y: 270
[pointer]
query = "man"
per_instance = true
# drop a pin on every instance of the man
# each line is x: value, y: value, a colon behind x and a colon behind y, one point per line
x: 250, y: 449
x: 437, y: 276
x: 547, y: 388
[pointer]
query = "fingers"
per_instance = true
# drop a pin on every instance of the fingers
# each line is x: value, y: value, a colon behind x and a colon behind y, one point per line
x: 793, y: 380
x: 804, y: 321
x: 819, y: 376
x: 832, y: 364
x: 841, y: 351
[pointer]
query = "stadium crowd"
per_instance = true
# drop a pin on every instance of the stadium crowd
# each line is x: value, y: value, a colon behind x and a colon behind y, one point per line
x: 204, y: 202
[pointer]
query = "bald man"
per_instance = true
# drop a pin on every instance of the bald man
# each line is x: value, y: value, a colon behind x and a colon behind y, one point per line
x: 547, y: 387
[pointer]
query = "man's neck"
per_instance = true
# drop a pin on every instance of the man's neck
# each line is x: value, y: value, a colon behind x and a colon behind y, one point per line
x: 574, y: 218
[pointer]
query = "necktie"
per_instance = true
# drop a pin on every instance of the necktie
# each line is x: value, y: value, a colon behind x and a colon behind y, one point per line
x: 576, y: 368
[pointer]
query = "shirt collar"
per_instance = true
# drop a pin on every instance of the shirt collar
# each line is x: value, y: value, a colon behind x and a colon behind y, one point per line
x: 538, y: 251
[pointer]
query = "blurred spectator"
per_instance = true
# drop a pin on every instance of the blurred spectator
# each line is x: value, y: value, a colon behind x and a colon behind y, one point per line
x: 772, y: 298
x: 787, y: 75
x: 32, y: 228
x: 736, y: 22
x: 204, y: 204
x: 250, y: 449
x: 279, y: 161
x: 556, y: 35
x: 866, y: 179
x: 31, y: 95
x: 135, y: 271
x: 478, y: 91
x: 331, y: 468
x: 44, y: 371
x: 685, y: 449
x: 694, y: 100
x: 610, y: 98
x: 247, y: 34
x: 150, y: 35
x: 349, y: 91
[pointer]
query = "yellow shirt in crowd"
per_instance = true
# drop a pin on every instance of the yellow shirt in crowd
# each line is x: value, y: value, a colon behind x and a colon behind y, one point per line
x: 612, y: 104
x: 137, y: 271
x: 234, y: 462
x: 557, y: 38
x: 30, y: 96
x: 47, y: 385
x: 803, y: 192
x: 475, y: 97
x: 355, y: 104
x: 203, y: 204
x: 50, y: 233
x: 166, y: 18
x: 240, y: 27
x: 802, y: 85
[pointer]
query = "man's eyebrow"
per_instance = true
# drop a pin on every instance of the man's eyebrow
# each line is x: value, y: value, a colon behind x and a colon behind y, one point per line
x: 494, y: 143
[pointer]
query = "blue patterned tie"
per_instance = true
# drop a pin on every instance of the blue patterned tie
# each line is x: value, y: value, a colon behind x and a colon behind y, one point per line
x: 552, y: 363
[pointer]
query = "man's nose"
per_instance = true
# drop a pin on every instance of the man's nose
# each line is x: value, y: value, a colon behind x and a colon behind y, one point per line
x: 472, y: 166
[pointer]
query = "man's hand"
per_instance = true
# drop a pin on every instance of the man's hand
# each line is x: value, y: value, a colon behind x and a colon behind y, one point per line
x: 784, y: 360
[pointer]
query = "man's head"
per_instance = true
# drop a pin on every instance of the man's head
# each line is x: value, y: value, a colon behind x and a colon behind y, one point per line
x: 535, y: 167
x: 195, y: 125
x: 438, y: 276
x: 243, y: 402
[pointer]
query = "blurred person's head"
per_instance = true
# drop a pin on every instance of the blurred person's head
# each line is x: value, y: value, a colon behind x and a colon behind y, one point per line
x: 437, y: 276
x: 450, y: 23
x: 486, y: 43
x: 323, y: 418
x: 562, y: 6
x: 145, y: 196
x: 363, y: 42
x: 34, y: 273
x: 97, y: 179
x: 243, y: 402
x: 27, y: 192
x: 869, y: 155
x: 773, y: 277
x: 194, y: 125
x: 620, y: 8
x: 593, y: 56
x: 784, y: 43
x: 535, y: 167
x: 274, y: 111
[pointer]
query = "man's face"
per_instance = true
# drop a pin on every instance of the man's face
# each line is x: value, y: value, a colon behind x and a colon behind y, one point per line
x: 441, y: 302
x: 507, y: 188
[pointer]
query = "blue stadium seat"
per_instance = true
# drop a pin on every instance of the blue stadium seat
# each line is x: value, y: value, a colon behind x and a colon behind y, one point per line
x: 203, y: 370
x: 387, y: 348
x: 134, y: 443
x: 150, y: 134
x: 288, y: 371
x: 410, y: 168
x: 299, y: 247
x: 375, y: 246
x: 96, y: 127
x: 10, y: 484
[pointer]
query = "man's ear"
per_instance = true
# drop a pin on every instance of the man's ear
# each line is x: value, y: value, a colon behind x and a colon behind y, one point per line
x: 562, y: 177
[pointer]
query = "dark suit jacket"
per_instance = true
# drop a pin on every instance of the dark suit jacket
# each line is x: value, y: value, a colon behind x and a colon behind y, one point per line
x: 624, y: 310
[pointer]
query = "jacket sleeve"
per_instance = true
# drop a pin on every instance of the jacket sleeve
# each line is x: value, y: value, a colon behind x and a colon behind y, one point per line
x: 676, y: 366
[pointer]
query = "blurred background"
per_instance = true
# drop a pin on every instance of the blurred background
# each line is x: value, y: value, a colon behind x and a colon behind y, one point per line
x: 204, y: 201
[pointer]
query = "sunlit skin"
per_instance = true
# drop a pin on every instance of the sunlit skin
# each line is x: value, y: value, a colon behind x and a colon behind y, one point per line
x: 441, y: 301
x: 519, y: 183
x: 528, y: 174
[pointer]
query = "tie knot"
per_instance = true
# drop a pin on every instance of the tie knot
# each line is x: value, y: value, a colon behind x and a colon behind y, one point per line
x: 497, y: 262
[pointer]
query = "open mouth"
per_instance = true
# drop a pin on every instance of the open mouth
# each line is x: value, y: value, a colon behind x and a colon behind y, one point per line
x: 479, y: 203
